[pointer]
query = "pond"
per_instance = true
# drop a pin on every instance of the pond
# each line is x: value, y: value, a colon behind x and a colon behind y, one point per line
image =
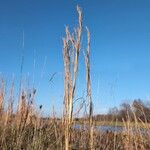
x: 106, y: 128
x: 102, y: 128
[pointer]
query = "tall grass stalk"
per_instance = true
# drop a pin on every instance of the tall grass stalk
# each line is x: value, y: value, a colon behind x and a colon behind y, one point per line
x: 89, y: 96
x: 71, y: 51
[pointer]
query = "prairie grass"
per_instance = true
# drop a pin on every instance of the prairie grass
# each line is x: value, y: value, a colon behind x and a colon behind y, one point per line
x: 25, y: 128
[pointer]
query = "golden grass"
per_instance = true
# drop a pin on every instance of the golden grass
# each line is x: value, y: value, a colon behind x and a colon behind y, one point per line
x: 25, y: 128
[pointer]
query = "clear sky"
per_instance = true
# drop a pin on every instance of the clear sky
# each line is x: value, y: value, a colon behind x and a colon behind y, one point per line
x: 120, y: 46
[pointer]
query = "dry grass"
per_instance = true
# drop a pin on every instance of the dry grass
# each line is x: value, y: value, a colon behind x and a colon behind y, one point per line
x: 24, y: 128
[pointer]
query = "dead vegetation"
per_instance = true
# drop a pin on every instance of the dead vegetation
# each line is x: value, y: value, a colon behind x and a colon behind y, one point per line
x: 24, y: 128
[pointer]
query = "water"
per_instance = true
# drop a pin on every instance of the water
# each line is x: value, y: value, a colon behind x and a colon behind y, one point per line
x: 102, y: 128
x: 106, y: 128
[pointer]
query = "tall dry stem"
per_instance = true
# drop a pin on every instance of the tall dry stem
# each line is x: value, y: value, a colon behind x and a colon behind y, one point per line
x: 2, y: 92
x: 71, y: 52
x: 89, y: 96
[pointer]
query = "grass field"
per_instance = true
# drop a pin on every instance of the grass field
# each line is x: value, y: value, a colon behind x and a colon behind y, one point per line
x: 24, y: 127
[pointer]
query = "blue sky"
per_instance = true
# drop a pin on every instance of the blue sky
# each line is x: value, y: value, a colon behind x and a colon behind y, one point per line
x: 120, y: 46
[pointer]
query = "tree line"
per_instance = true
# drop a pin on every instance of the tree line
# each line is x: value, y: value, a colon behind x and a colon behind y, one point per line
x: 138, y: 110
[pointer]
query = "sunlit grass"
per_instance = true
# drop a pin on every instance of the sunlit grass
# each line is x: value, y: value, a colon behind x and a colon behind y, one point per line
x: 25, y: 127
